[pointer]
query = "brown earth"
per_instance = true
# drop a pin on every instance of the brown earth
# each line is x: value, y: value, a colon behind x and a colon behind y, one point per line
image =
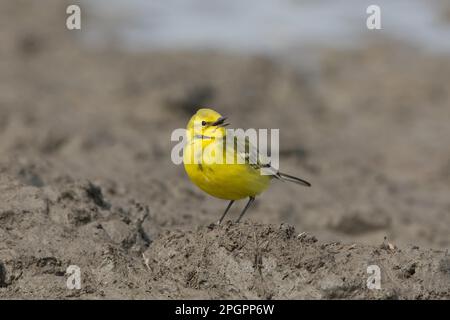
x: 87, y: 179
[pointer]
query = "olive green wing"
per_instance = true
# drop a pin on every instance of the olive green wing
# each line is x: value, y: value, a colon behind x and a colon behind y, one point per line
x: 245, y: 152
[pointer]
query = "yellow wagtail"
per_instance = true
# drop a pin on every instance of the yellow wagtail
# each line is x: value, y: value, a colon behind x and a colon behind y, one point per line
x: 227, y: 180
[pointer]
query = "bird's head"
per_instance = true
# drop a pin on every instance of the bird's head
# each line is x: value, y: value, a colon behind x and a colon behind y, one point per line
x: 206, y: 124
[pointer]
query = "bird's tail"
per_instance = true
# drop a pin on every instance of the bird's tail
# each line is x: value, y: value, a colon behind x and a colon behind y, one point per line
x: 286, y: 177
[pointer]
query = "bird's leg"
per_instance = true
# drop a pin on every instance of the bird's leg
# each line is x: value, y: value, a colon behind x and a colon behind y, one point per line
x: 226, y: 210
x: 245, y: 209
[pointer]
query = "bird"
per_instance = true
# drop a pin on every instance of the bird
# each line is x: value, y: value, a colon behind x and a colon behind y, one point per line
x: 234, y: 180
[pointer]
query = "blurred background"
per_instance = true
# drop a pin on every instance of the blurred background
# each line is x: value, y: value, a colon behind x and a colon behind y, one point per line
x: 364, y: 114
x: 264, y: 27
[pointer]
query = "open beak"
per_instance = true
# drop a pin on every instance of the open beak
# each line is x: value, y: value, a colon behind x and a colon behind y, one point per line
x: 220, y: 122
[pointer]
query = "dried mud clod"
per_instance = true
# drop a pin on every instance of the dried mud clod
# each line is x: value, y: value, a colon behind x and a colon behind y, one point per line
x: 250, y: 260
x: 2, y: 275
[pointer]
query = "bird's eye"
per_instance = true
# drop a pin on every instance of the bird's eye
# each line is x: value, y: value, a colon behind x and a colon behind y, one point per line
x: 203, y: 123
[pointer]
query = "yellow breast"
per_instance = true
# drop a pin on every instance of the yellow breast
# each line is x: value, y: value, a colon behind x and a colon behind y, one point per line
x: 225, y: 181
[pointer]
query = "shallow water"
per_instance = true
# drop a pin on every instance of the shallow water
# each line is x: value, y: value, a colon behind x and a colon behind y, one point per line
x: 264, y: 26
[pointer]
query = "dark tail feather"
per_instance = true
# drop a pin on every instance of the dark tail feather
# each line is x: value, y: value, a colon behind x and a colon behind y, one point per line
x: 286, y: 177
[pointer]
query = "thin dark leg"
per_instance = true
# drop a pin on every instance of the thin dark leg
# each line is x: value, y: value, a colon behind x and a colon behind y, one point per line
x: 246, y: 207
x: 226, y: 210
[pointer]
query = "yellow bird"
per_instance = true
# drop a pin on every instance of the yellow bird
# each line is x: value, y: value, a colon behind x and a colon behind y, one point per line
x: 206, y: 142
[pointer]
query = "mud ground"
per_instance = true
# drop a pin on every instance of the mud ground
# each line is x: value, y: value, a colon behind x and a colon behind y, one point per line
x: 86, y: 177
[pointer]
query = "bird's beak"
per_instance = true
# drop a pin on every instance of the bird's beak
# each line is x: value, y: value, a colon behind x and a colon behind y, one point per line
x: 220, y: 122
